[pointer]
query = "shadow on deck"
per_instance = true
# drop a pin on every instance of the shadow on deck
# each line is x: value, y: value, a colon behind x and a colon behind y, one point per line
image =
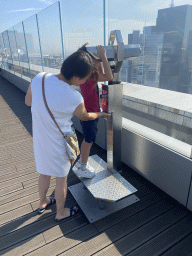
x: 156, y: 225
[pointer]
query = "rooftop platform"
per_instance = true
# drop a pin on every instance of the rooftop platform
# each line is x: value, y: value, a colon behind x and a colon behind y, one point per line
x: 156, y: 225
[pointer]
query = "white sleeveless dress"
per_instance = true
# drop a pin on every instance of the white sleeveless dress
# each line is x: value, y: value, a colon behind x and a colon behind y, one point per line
x: 49, y: 150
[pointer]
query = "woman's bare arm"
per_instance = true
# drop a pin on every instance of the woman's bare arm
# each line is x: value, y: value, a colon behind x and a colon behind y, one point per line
x: 82, y: 114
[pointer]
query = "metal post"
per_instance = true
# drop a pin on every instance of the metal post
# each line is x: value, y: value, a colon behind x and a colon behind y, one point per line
x: 4, y: 51
x: 26, y: 49
x: 61, y: 30
x: 42, y: 61
x: 104, y: 21
x: 17, y: 50
x: 114, y: 127
x: 101, y: 204
x: 10, y: 51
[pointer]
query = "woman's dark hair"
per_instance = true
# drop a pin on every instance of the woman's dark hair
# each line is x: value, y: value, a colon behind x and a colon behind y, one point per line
x: 77, y: 64
x: 95, y: 74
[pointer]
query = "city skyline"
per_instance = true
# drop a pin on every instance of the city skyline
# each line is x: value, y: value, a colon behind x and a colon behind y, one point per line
x: 42, y: 41
x: 13, y: 12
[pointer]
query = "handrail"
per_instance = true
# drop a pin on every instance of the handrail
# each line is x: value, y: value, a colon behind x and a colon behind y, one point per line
x: 163, y: 139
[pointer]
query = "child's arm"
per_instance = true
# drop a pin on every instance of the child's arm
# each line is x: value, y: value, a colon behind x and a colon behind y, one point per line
x: 105, y: 75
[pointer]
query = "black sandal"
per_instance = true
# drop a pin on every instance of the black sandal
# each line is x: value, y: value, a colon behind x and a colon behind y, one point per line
x: 52, y: 201
x: 73, y: 210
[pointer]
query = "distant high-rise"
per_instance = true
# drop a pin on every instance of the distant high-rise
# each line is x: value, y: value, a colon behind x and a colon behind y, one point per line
x: 166, y: 59
x: 176, y: 23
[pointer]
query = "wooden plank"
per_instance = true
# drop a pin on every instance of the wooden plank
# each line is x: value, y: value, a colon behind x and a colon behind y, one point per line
x: 16, y: 138
x: 116, y: 217
x: 25, y: 143
x: 121, y: 229
x: 66, y: 242
x: 17, y: 163
x: 29, y: 224
x: 183, y: 247
x: 24, y: 192
x: 166, y: 239
x: 11, y: 189
x: 65, y: 227
x: 25, y: 246
x: 4, y: 155
x: 13, y: 174
x: 25, y: 164
x: 27, y: 177
x: 13, y: 129
x: 128, y: 244
x: 21, y: 143
x: 9, y: 216
x: 8, y: 169
x: 6, y: 207
x: 22, y: 153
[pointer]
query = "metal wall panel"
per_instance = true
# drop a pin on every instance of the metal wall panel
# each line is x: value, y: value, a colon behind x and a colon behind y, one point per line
x: 165, y: 168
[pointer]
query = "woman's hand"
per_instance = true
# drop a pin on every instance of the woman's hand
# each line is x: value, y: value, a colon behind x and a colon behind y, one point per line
x: 105, y: 115
x: 82, y: 114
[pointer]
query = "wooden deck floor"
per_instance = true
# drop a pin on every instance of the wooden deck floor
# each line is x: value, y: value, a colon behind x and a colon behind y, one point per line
x: 156, y: 225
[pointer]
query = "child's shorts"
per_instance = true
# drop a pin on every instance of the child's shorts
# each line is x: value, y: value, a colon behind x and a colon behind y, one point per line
x: 90, y: 130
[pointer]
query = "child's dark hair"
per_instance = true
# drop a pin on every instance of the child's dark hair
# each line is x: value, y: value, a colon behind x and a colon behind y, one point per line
x: 77, y: 64
x: 95, y: 74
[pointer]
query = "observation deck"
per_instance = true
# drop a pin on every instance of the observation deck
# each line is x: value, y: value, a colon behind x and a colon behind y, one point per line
x: 156, y: 225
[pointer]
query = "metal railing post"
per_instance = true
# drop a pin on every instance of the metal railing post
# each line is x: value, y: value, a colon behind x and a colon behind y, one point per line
x: 10, y: 51
x: 42, y: 61
x: 26, y: 48
x: 17, y: 49
x: 62, y: 45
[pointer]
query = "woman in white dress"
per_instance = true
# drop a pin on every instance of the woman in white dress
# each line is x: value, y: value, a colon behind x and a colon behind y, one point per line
x: 64, y: 102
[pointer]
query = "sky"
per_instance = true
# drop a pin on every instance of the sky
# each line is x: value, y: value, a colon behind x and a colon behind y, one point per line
x: 126, y: 15
x: 15, y: 11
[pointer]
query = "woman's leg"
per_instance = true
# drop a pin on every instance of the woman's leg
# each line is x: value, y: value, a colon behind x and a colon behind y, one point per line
x: 44, y: 182
x: 85, y: 151
x: 60, y: 196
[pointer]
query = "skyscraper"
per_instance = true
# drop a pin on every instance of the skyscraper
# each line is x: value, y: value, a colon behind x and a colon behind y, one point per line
x: 176, y: 24
x: 166, y: 59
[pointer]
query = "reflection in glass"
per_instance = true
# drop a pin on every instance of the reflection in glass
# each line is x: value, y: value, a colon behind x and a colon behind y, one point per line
x: 9, y: 60
x: 32, y: 44
x: 21, y: 50
x: 3, y: 59
x: 14, y: 51
x: 50, y: 38
x: 82, y: 23
x: 165, y: 35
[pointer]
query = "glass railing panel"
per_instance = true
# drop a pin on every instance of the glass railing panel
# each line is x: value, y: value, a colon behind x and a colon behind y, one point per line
x: 8, y: 56
x: 50, y: 37
x: 2, y: 52
x: 22, y: 51
x: 82, y: 23
x: 33, y: 46
x: 165, y: 35
x: 14, y: 51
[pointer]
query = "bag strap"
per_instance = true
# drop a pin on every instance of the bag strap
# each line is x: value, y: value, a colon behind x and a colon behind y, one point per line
x: 49, y: 111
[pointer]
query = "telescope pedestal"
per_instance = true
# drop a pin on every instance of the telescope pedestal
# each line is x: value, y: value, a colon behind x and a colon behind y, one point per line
x: 104, y: 194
